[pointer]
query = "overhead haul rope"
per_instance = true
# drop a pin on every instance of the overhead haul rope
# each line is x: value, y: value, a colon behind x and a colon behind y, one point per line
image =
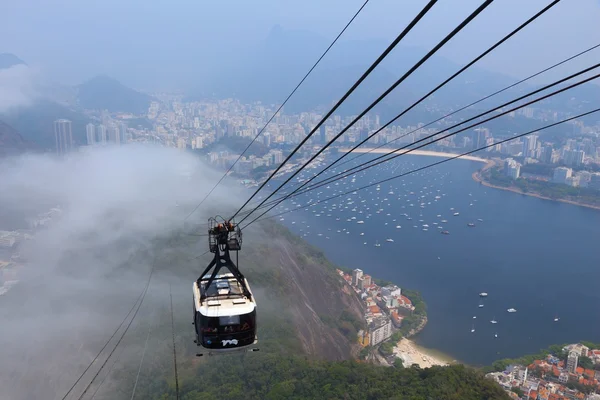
x: 344, y: 97
x: 355, y: 169
x: 278, y: 109
x: 468, y: 127
x: 448, y: 37
x: 438, y: 87
x: 444, y: 117
x: 434, y: 164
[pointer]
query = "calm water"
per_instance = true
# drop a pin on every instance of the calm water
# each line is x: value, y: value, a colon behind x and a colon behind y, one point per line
x: 537, y: 256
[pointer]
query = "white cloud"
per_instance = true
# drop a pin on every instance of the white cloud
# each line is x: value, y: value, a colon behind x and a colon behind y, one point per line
x: 79, y: 279
x: 17, y: 87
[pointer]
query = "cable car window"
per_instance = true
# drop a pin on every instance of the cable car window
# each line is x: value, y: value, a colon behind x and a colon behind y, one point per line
x: 229, y: 320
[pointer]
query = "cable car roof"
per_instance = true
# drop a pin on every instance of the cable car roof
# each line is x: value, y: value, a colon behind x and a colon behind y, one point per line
x: 223, y: 304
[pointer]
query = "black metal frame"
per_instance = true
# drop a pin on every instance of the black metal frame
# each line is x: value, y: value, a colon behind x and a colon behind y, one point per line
x: 222, y: 237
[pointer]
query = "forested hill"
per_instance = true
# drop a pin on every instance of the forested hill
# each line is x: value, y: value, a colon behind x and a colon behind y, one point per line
x: 280, y: 377
x: 307, y: 338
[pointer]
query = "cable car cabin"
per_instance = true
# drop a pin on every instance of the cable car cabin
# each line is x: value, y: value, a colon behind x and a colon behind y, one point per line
x: 225, y: 319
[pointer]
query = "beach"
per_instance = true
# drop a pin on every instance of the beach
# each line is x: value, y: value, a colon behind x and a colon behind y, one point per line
x: 416, y: 153
x: 411, y: 353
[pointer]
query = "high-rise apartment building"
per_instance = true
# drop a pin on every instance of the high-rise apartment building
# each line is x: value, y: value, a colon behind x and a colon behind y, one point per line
x: 90, y: 133
x: 101, y: 134
x: 63, y: 136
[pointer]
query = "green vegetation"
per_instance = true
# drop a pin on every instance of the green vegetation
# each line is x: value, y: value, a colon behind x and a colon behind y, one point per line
x: 591, y: 345
x: 387, y: 348
x: 547, y: 189
x: 275, y: 376
x: 346, y: 323
x: 398, y: 363
x: 413, y: 320
x: 500, y: 365
x: 281, y: 369
x: 585, y: 362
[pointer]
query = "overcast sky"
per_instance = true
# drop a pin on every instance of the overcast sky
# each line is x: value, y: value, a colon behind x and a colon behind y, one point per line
x: 72, y: 40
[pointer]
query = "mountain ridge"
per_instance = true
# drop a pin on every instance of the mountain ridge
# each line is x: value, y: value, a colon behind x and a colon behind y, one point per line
x: 105, y: 93
x: 12, y: 142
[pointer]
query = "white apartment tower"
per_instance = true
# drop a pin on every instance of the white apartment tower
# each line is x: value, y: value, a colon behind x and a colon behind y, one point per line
x: 63, y: 136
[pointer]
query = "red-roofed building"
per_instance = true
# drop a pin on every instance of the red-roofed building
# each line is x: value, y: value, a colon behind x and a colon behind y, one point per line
x: 396, y: 319
x: 533, y: 395
x: 542, y: 394
x: 579, y: 370
x: 405, y: 302
x: 375, y: 310
x: 589, y: 373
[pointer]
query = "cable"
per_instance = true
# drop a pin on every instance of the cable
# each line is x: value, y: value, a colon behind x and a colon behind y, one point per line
x: 279, y: 109
x: 141, y: 362
x: 124, y: 332
x: 450, y: 114
x: 354, y: 171
x: 476, y: 102
x: 396, y: 154
x: 454, y: 112
x: 344, y: 97
x: 174, y: 349
x: 107, y: 373
x: 197, y: 257
x: 456, y: 30
x: 434, y: 164
x: 438, y: 87
x: 105, y: 345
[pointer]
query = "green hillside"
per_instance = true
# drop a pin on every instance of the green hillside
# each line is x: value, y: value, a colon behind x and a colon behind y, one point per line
x: 300, y: 356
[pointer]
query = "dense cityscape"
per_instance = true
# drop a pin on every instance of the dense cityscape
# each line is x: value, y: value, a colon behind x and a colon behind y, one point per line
x: 200, y: 126
x: 569, y: 373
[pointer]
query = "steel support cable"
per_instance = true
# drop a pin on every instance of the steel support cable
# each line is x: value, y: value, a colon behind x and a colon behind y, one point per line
x: 477, y: 102
x: 438, y: 87
x: 344, y: 97
x: 434, y: 164
x: 107, y: 373
x: 359, y: 168
x: 125, y: 331
x: 444, y: 117
x: 174, y: 348
x: 456, y: 30
x: 137, y: 378
x: 278, y: 109
x: 105, y: 345
x: 394, y: 153
x: 462, y: 129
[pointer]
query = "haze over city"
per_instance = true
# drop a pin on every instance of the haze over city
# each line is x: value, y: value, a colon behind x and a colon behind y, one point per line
x: 357, y: 194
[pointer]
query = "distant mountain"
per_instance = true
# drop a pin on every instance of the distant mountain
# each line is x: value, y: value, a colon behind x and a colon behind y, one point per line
x: 105, y: 93
x: 269, y: 72
x: 11, y: 142
x: 8, y: 60
x: 36, y: 122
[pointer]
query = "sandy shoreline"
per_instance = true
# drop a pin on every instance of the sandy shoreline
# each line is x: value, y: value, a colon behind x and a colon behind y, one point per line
x: 416, y: 153
x: 478, y: 178
x: 411, y: 353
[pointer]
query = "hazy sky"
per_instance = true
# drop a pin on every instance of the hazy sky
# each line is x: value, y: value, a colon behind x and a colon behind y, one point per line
x: 72, y: 40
